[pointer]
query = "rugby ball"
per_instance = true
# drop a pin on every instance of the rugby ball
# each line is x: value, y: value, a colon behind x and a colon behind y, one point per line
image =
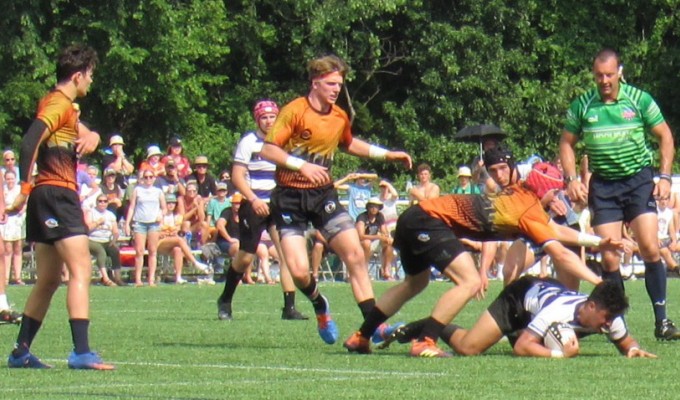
x: 557, y: 335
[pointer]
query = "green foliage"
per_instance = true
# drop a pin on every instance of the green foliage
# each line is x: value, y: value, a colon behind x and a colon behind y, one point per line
x: 421, y: 70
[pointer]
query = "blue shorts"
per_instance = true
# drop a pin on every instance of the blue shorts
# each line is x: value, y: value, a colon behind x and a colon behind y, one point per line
x: 146, y: 227
x: 621, y: 199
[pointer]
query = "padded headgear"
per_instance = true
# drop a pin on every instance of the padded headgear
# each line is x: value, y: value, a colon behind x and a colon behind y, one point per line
x: 543, y: 178
x: 498, y: 155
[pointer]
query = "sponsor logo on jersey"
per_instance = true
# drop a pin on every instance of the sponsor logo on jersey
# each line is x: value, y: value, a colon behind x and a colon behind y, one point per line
x: 51, y: 223
x: 330, y: 207
x: 306, y: 135
x: 628, y: 114
x: 593, y: 119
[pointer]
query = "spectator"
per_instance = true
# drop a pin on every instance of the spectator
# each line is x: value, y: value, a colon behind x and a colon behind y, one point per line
x: 90, y: 194
x: 389, y: 196
x: 147, y: 206
x: 206, y: 183
x: 667, y: 234
x: 216, y: 205
x: 265, y: 251
x: 464, y: 182
x: 426, y: 189
x: 14, y: 230
x: 103, y: 235
x: 225, y: 176
x: 171, y: 243
x: 114, y: 158
x: 228, y: 230
x: 113, y: 192
x: 358, y: 192
x: 153, y: 161
x: 171, y: 183
x: 374, y: 235
x: 9, y: 163
x: 175, y: 150
x: 87, y: 187
x: 194, y: 212
x: 319, y: 250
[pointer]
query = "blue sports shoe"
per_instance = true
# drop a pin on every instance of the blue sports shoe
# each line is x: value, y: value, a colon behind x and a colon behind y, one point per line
x: 88, y: 361
x: 28, y: 360
x: 384, y: 331
x: 327, y: 328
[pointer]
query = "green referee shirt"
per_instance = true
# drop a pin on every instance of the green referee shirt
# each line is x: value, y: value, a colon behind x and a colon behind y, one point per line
x: 614, y: 133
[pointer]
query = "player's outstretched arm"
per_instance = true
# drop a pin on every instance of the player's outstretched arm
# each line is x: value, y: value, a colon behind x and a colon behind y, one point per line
x: 630, y: 348
x: 364, y: 149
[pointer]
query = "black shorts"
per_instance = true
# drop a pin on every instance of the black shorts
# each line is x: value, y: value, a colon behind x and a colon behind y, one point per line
x: 295, y: 208
x: 424, y: 241
x: 53, y: 213
x: 508, y: 309
x: 251, y: 227
x: 621, y: 199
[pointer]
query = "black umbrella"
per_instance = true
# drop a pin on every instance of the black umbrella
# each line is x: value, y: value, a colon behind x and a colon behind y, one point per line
x: 476, y: 133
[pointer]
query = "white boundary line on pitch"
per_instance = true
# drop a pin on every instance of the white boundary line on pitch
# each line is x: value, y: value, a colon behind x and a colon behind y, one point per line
x: 272, y: 368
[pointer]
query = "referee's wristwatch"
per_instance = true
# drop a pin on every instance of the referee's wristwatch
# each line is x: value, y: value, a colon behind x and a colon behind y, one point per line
x: 570, y: 179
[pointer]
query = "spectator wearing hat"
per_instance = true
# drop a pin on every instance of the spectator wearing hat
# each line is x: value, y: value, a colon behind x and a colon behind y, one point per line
x: 206, y: 183
x: 153, y: 161
x: 113, y: 192
x: 171, y: 183
x: 389, y: 197
x: 465, y: 185
x: 171, y: 243
x: 358, y: 191
x: 374, y: 235
x: 216, y: 205
x: 114, y: 158
x: 228, y: 230
x: 103, y: 234
x: 175, y: 150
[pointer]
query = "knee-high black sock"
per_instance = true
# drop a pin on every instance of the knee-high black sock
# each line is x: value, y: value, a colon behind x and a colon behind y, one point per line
x: 366, y: 306
x: 79, y: 333
x: 29, y: 328
x: 372, y: 321
x: 231, y: 282
x: 614, y: 276
x: 289, y: 300
x: 318, y: 301
x: 655, y: 282
x: 431, y: 329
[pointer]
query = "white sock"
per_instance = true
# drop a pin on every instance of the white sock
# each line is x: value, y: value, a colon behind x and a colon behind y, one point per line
x: 3, y: 302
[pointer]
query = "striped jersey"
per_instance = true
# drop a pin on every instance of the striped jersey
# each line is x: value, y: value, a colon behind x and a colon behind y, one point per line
x: 614, y: 133
x: 549, y: 302
x: 305, y: 133
x: 260, y: 171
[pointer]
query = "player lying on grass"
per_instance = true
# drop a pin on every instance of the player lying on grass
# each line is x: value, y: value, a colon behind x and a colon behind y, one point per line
x: 526, y: 308
x: 429, y: 234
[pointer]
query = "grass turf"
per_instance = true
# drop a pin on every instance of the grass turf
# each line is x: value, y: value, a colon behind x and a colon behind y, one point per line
x: 168, y: 344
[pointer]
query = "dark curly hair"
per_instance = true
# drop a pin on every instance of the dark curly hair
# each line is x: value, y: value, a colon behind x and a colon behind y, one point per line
x: 610, y: 296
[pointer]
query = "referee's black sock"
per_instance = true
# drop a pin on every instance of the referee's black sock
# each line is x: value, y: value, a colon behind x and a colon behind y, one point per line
x: 614, y: 276
x: 655, y: 282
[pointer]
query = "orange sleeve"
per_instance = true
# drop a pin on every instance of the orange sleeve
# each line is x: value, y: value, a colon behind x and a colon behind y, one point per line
x: 534, y: 224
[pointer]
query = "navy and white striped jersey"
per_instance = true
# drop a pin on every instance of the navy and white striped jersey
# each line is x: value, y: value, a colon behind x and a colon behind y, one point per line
x: 260, y: 171
x: 549, y: 303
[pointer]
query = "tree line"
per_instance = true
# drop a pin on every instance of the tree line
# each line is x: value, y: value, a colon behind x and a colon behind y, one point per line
x: 421, y: 69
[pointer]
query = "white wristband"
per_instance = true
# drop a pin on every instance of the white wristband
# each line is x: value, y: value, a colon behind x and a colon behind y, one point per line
x: 294, y: 163
x: 556, y: 354
x: 377, y: 153
x: 632, y: 349
x: 588, y: 240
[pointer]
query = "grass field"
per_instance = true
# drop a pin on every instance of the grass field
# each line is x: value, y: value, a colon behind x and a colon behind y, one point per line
x: 168, y: 344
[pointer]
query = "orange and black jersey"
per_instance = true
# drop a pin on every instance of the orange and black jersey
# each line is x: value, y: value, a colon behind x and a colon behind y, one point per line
x: 503, y: 216
x: 53, y: 148
x: 310, y: 135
